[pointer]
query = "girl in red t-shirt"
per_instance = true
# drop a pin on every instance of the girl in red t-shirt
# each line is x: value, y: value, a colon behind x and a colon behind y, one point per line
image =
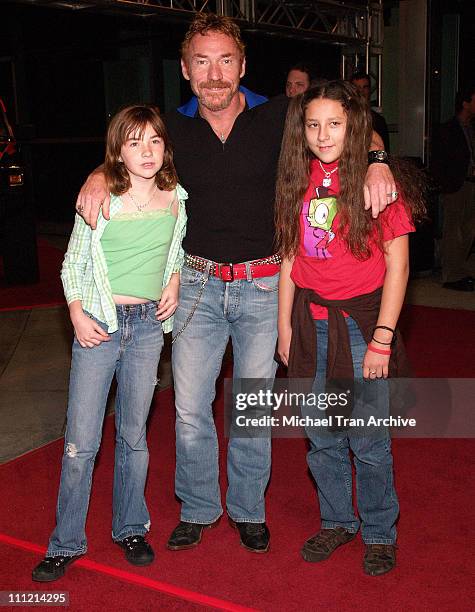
x: 339, y: 262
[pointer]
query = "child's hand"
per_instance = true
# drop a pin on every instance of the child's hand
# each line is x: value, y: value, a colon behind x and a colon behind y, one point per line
x: 169, y: 300
x: 283, y: 344
x: 375, y: 365
x: 88, y: 333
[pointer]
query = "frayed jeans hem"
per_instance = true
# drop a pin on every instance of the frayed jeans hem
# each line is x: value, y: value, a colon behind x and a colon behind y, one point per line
x: 380, y: 541
x: 129, y: 534
x: 65, y: 553
x: 200, y: 521
x: 330, y: 525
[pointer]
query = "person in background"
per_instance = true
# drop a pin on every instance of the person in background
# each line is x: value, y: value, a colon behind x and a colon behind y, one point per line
x: 453, y: 167
x: 362, y: 81
x: 298, y: 80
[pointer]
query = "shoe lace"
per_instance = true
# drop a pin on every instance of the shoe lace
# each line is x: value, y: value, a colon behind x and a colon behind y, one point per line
x: 58, y: 560
x: 133, y: 541
x: 183, y: 529
x: 325, y: 540
x: 255, y: 528
x: 380, y: 551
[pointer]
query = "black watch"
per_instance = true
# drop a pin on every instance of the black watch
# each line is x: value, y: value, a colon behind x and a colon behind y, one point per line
x: 378, y: 157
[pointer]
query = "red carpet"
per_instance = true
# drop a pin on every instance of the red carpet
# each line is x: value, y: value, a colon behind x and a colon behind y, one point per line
x: 433, y: 478
x: 440, y: 341
x: 47, y: 292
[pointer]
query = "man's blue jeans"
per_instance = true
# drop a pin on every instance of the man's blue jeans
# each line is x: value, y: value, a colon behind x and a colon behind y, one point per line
x: 246, y: 311
x: 132, y: 354
x: 329, y: 459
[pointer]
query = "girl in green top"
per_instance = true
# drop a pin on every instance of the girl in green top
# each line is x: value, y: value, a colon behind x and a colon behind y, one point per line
x: 121, y: 283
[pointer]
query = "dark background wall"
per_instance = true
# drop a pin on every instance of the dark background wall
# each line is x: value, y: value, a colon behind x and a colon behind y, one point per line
x: 63, y: 73
x: 73, y: 70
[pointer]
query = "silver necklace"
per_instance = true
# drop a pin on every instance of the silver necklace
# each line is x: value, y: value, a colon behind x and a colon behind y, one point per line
x: 219, y: 134
x: 139, y: 206
x: 327, y: 181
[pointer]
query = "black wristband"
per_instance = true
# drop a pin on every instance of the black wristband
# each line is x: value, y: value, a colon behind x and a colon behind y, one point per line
x: 378, y: 157
x: 383, y: 343
x: 393, y: 339
x: 385, y: 327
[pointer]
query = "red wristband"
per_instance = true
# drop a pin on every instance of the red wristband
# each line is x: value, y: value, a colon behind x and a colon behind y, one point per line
x: 373, y: 349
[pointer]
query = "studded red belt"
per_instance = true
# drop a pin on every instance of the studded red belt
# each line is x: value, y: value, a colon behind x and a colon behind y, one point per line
x: 229, y: 272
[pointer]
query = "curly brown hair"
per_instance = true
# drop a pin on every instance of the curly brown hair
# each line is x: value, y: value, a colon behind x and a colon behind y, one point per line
x: 356, y: 227
x: 209, y: 22
x: 134, y: 120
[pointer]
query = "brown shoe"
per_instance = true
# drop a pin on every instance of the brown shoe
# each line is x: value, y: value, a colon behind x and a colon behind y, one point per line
x: 379, y: 559
x: 254, y: 536
x: 320, y: 546
x: 187, y: 535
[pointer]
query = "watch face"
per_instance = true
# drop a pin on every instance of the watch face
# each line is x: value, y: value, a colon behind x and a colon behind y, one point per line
x: 379, y: 156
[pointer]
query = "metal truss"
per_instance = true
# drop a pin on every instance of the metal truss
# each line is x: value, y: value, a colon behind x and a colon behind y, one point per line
x: 338, y: 21
x: 326, y: 19
x: 329, y: 20
x: 355, y: 25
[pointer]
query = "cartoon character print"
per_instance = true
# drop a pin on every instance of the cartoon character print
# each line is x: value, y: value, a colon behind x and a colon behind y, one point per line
x: 319, y: 214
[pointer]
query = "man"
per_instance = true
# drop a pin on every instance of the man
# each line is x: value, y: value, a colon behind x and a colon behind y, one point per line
x: 227, y: 144
x: 453, y: 168
x: 362, y: 81
x: 298, y: 80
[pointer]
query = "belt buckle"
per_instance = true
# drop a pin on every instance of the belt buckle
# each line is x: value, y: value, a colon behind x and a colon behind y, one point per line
x: 231, y: 271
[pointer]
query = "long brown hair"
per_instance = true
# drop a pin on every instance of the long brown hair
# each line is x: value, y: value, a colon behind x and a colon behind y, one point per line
x: 356, y: 225
x: 134, y: 120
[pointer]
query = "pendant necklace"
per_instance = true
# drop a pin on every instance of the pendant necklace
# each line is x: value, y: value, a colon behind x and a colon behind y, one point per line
x: 327, y: 181
x: 138, y: 206
x: 220, y: 135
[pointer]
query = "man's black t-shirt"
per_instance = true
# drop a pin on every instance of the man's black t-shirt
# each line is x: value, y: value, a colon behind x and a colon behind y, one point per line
x: 231, y: 186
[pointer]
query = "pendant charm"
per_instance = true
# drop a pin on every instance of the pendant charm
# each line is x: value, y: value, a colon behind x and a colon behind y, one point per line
x: 327, y: 181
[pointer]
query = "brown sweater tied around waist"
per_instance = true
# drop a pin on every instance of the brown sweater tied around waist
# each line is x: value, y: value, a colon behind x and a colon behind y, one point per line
x: 364, y: 309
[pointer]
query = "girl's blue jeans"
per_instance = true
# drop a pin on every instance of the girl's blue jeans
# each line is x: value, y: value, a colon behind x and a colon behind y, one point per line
x: 329, y: 455
x: 132, y: 354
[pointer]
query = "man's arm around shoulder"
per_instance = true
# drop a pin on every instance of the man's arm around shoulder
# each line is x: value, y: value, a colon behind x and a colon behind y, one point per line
x: 94, y: 194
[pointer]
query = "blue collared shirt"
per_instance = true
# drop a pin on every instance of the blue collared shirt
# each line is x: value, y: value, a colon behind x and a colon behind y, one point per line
x: 252, y: 99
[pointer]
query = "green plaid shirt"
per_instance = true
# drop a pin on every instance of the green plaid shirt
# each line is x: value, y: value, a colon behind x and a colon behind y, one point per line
x: 84, y: 271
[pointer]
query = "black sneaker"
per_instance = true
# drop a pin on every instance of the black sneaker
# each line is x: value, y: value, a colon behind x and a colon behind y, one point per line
x: 187, y: 535
x: 254, y: 536
x: 52, y: 568
x: 137, y: 550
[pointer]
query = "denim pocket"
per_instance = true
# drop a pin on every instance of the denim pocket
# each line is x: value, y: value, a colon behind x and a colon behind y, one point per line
x: 104, y: 326
x: 267, y: 284
x: 152, y: 316
x: 188, y: 276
